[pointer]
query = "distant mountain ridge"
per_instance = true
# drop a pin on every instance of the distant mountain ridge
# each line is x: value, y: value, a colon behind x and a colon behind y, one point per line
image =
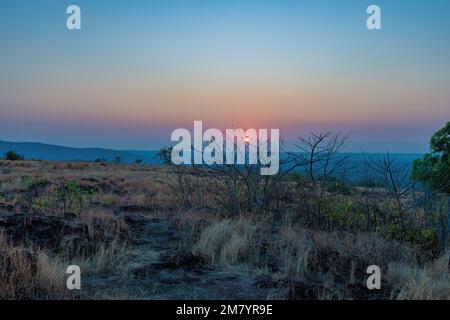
x: 42, y: 151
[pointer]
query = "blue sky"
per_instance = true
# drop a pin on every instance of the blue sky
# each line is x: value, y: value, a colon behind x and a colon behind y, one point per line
x: 139, y: 69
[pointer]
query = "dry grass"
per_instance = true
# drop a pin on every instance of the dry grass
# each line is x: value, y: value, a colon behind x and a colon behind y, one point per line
x: 18, y: 269
x: 36, y: 274
x: 281, y: 249
x: 105, y: 255
x: 228, y: 241
x: 294, y: 250
x: 102, y: 224
x: 325, y: 260
x: 431, y: 282
x: 29, y: 272
x: 51, y: 276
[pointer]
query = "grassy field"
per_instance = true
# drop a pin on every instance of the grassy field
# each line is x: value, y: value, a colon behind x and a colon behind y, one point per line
x: 152, y: 232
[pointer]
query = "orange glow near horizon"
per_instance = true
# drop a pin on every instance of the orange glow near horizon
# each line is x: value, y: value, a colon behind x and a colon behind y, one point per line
x: 291, y: 65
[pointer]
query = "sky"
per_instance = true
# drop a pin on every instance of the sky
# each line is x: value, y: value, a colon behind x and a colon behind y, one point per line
x: 138, y: 69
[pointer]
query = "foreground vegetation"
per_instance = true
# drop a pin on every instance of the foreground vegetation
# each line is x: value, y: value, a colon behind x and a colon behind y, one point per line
x: 54, y: 214
x: 164, y: 231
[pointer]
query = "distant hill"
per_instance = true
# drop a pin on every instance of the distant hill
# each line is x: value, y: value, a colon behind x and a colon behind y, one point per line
x: 32, y: 150
x: 42, y: 151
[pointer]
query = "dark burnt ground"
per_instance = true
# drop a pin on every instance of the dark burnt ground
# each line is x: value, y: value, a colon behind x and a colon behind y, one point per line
x: 157, y: 263
x: 153, y: 266
x: 156, y: 268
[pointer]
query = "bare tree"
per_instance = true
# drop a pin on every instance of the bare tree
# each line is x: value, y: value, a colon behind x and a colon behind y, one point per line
x: 242, y: 187
x: 399, y: 186
x: 186, y: 183
x: 321, y: 156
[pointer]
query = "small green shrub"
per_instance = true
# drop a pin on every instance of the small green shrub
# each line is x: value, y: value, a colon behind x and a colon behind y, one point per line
x: 421, y: 237
x: 13, y: 156
x: 344, y: 213
x: 68, y: 198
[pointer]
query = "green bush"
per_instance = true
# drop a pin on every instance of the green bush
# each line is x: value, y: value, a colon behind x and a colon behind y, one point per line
x: 434, y: 168
x: 68, y: 198
x: 344, y: 213
x: 422, y: 237
x: 13, y: 156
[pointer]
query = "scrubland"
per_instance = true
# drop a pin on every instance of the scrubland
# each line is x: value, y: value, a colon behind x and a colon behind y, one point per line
x: 151, y: 232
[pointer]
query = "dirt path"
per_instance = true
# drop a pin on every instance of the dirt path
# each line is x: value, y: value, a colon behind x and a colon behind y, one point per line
x: 154, y: 269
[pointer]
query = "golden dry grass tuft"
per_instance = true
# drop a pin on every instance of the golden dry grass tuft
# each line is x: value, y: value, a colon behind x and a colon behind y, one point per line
x: 431, y: 282
x: 228, y: 241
